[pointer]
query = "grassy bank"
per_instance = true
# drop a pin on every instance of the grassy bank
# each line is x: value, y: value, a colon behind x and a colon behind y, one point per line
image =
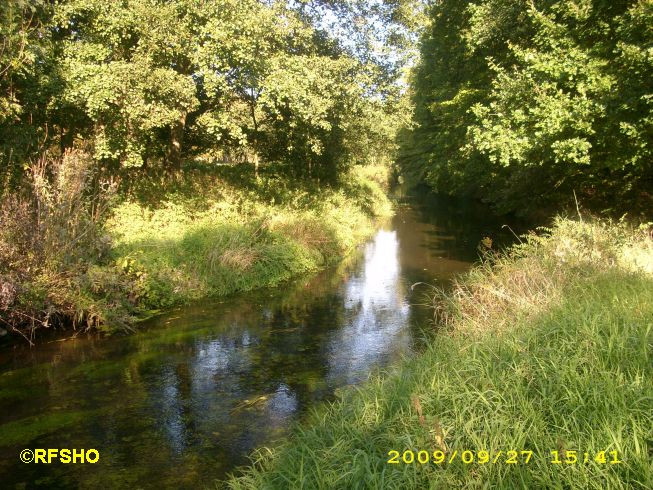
x: 159, y: 240
x: 218, y: 233
x: 548, y: 348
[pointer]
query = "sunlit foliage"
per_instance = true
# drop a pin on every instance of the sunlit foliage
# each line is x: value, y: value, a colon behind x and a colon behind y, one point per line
x: 525, y: 102
x: 153, y: 83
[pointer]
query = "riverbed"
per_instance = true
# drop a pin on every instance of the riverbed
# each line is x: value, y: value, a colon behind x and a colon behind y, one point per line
x: 188, y: 397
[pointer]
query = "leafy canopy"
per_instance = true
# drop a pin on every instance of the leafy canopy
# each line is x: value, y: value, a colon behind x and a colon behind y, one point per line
x: 525, y: 102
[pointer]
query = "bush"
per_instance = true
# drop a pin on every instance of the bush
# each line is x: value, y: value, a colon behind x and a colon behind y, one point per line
x: 50, y: 235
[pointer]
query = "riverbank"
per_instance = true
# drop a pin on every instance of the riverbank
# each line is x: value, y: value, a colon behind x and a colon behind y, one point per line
x: 172, y: 238
x: 216, y: 234
x: 546, y: 350
x: 205, y: 384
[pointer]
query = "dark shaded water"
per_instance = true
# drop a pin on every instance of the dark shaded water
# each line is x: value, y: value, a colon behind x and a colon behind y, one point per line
x: 186, y: 400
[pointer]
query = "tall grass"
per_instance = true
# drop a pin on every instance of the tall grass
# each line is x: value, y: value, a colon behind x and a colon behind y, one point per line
x: 75, y: 250
x: 51, y: 238
x: 548, y: 349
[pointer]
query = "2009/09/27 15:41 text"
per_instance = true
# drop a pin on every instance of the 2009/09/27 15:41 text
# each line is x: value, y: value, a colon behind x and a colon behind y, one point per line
x: 569, y: 457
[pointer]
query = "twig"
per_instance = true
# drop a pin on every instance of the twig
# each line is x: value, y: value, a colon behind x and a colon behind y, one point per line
x: 31, y: 344
x: 511, y: 231
x: 577, y: 208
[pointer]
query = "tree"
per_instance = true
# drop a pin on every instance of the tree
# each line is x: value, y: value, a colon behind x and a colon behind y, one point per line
x: 158, y: 81
x: 216, y: 73
x: 24, y: 63
x: 524, y: 102
x: 128, y: 68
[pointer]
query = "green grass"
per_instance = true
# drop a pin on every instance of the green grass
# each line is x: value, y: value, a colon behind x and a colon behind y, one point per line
x: 550, y: 348
x: 163, y: 239
x: 216, y: 233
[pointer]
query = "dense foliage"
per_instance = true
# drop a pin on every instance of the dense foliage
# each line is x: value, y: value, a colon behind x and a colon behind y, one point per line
x: 153, y: 83
x: 525, y: 102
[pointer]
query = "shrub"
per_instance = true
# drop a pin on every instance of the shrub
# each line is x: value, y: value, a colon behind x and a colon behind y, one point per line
x: 50, y: 234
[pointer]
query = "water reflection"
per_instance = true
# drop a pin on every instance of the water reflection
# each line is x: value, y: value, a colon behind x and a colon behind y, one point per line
x: 187, y: 399
x: 170, y: 411
x: 376, y: 308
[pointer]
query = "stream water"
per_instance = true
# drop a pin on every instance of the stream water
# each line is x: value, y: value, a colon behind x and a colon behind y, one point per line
x: 186, y: 399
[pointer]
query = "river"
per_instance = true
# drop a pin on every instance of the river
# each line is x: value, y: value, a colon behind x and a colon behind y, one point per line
x: 187, y: 398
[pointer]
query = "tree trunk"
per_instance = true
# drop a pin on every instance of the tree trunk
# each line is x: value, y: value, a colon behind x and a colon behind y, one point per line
x: 252, y: 108
x: 176, y: 142
x: 66, y: 139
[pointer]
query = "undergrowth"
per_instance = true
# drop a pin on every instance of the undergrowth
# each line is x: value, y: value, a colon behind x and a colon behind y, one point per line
x: 55, y: 265
x: 78, y: 251
x: 547, y: 348
x: 240, y: 235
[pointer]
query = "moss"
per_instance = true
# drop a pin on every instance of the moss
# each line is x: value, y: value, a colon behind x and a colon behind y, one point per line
x: 25, y: 430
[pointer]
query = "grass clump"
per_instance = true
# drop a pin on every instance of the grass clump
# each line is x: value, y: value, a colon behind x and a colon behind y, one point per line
x: 548, y: 348
x: 533, y: 276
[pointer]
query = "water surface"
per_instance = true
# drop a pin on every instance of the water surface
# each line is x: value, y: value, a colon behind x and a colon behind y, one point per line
x: 189, y: 397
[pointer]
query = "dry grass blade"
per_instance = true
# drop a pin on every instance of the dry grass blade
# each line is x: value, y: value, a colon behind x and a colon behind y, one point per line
x: 418, y: 408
